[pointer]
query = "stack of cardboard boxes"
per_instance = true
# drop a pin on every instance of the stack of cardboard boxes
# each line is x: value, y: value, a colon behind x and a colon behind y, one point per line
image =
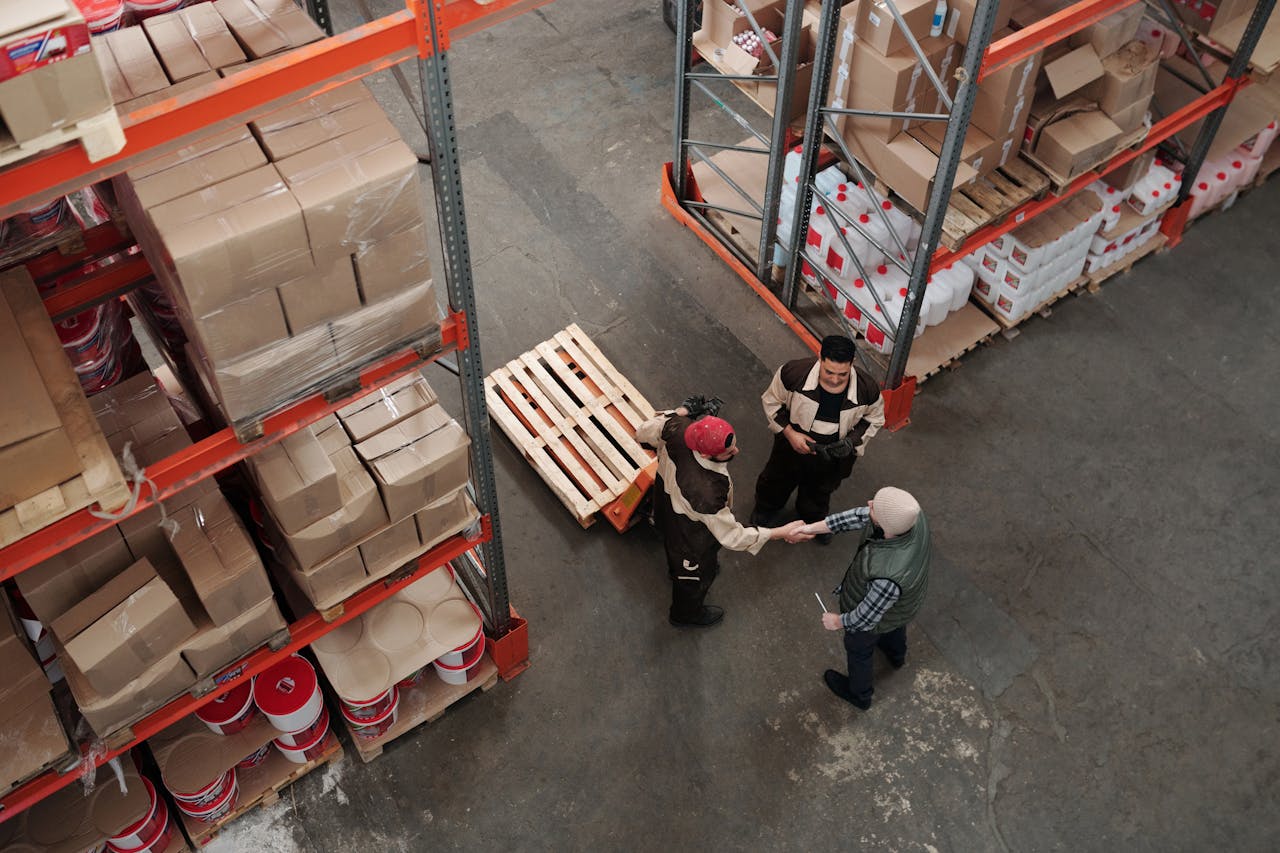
x: 141, y: 611
x: 293, y: 249
x: 31, y: 735
x: 1094, y: 95
x: 355, y: 497
x: 723, y: 21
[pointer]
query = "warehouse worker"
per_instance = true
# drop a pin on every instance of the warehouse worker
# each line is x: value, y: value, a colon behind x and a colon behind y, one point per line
x: 693, y: 505
x: 822, y: 411
x: 883, y: 588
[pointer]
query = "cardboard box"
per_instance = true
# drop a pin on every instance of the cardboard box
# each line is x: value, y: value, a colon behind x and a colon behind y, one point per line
x: 978, y: 150
x: 401, y: 432
x: 51, y: 78
x: 361, y: 514
x: 35, y: 452
x: 1076, y: 143
x: 215, y: 41
x: 69, y: 821
x: 117, y: 86
x: 1112, y: 32
x: 136, y: 62
x: 296, y: 138
x: 264, y: 27
x: 905, y: 165
x: 386, y: 407
x: 801, y: 80
x: 1073, y: 71
x: 176, y: 47
x: 297, y: 480
x: 106, y: 712
x: 960, y: 19
x: 187, y: 176
x: 190, y: 151
x: 232, y: 239
x: 142, y: 531
x: 384, y: 268
x: 423, y: 471
x: 721, y: 21
x: 1004, y: 96
x: 412, y: 315
x: 330, y: 434
x: 354, y: 190
x: 275, y: 376
x: 240, y: 327
x: 52, y: 587
x: 876, y: 26
x: 215, y: 646
x: 1130, y: 173
x: 1131, y: 117
x: 120, y: 630
x: 318, y: 297
x: 311, y: 108
x: 175, y: 89
x: 150, y: 440
x: 443, y: 518
x: 390, y: 549
x: 332, y: 577
x: 1128, y: 78
x: 219, y: 559
x: 134, y: 400
x: 31, y: 735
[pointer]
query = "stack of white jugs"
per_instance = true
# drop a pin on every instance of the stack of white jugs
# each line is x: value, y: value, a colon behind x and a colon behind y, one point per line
x: 1221, y: 178
x: 866, y: 232
x: 1148, y: 198
x: 1022, y: 269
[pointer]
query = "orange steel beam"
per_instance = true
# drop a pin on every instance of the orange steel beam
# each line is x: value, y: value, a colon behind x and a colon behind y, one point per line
x: 302, y: 633
x: 99, y: 286
x: 206, y: 458
x: 1052, y: 29
x: 672, y: 204
x: 1160, y: 131
x: 99, y: 241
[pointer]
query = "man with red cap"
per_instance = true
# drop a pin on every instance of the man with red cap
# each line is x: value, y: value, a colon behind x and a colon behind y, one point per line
x: 693, y: 507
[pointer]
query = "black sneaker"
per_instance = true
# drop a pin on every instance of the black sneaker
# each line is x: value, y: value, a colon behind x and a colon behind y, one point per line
x: 839, y: 685
x: 710, y: 615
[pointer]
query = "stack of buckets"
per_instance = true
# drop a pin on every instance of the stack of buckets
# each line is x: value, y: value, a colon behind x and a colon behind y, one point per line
x: 460, y: 665
x: 143, y: 9
x: 102, y: 16
x: 288, y: 694
x: 101, y: 346
x: 151, y: 834
x: 372, y: 718
x: 40, y: 638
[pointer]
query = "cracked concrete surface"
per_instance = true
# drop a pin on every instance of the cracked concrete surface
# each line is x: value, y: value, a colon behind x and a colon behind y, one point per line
x: 1097, y: 665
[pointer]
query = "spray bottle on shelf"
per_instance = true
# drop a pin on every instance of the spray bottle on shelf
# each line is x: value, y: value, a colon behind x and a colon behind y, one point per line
x: 939, y: 17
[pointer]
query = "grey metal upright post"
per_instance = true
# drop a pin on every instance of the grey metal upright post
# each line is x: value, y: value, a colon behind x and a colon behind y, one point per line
x: 447, y: 177
x: 680, y: 128
x: 786, y: 70
x: 319, y: 12
x: 940, y: 194
x: 823, y: 55
x: 1237, y: 68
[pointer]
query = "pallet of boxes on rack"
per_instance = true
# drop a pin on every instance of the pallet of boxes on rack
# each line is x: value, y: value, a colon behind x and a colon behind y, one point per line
x: 153, y: 607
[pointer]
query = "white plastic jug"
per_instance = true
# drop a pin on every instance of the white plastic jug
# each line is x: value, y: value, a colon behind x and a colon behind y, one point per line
x: 937, y: 301
x: 959, y: 278
x: 1250, y: 163
x: 830, y: 178
x: 888, y: 281
x: 1264, y: 139
x: 900, y: 222
x: 874, y: 228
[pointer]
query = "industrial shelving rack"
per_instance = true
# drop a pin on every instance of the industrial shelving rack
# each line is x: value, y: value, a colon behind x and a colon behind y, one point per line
x: 421, y: 31
x: 779, y: 289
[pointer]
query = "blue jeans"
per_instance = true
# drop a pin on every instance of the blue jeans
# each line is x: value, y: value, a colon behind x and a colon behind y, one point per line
x: 860, y: 646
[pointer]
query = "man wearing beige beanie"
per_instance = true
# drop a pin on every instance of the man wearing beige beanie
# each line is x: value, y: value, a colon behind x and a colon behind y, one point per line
x: 883, y: 588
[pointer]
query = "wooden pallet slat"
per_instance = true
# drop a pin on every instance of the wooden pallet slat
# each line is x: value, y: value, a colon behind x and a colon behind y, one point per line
x: 100, y: 135
x: 626, y: 413
x: 990, y: 199
x: 1097, y: 277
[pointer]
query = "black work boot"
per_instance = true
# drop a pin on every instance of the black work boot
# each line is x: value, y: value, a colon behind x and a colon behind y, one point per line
x: 708, y: 616
x: 839, y: 685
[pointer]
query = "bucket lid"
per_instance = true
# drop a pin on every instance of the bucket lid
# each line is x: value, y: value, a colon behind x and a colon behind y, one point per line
x: 151, y: 812
x: 100, y: 10
x: 366, y: 702
x: 285, y: 687
x: 79, y: 329
x: 218, y: 783
x: 229, y: 706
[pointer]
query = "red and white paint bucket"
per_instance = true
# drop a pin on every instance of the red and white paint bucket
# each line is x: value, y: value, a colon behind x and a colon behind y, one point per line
x: 463, y: 672
x: 307, y: 735
x: 369, y: 709
x: 230, y: 712
x: 143, y: 9
x: 46, y: 219
x: 307, y: 752
x: 101, y: 16
x: 152, y: 833
x: 378, y: 726
x: 254, y: 758
x: 466, y: 651
x: 217, y: 809
x: 289, y: 694
x: 412, y: 680
x: 210, y: 793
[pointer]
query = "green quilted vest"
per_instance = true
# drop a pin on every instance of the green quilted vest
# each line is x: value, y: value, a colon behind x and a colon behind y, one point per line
x: 903, y: 560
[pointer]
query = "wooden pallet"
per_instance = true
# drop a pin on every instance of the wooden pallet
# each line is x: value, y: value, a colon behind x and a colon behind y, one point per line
x: 425, y: 703
x: 1059, y: 183
x: 573, y: 415
x: 1009, y: 327
x: 100, y: 480
x: 1097, y: 277
x: 261, y: 786
x: 990, y: 199
x: 100, y: 136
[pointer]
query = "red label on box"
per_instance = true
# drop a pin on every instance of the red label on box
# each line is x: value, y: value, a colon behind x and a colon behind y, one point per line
x: 44, y: 48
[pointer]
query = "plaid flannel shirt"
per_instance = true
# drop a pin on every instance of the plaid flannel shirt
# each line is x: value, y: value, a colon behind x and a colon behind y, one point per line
x: 882, y: 593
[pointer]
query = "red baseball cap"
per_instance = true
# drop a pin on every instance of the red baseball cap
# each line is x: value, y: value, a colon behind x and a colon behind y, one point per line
x: 710, y: 436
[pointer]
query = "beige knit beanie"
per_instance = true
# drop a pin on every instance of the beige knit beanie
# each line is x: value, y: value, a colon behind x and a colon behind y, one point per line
x: 896, y: 511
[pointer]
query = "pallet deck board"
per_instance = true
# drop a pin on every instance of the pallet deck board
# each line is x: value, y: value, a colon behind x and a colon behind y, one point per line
x: 99, y: 135
x: 1097, y: 277
x: 1007, y: 325
x: 989, y: 199
x: 425, y: 703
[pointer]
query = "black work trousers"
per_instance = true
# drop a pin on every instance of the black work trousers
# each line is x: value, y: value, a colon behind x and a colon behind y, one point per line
x: 693, y: 557
x: 814, y: 479
x: 860, y: 646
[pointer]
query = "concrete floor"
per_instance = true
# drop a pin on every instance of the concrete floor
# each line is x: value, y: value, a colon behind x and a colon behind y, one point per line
x: 1098, y: 664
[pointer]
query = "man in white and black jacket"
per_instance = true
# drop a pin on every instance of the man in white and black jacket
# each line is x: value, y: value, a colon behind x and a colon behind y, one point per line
x: 693, y: 508
x: 822, y: 411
